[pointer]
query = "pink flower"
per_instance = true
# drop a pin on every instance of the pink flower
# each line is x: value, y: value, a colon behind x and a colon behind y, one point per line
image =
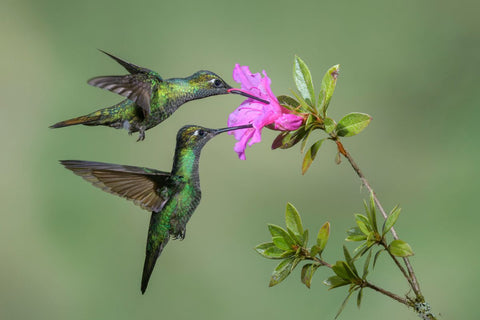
x: 257, y: 113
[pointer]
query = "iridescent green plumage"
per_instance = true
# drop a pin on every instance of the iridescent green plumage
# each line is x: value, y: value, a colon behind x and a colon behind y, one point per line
x: 150, y: 99
x: 172, y: 197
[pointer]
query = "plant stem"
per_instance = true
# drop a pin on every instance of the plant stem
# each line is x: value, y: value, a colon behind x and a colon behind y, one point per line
x: 388, y: 293
x: 368, y: 284
x: 323, y: 263
x: 412, y: 279
x: 402, y: 269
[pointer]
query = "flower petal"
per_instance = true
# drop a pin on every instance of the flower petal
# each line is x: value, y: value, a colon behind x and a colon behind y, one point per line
x: 257, y: 113
x: 288, y: 122
x: 243, y: 75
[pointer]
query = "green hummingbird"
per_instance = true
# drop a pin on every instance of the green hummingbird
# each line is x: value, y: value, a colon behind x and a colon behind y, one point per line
x: 171, y: 196
x: 150, y: 99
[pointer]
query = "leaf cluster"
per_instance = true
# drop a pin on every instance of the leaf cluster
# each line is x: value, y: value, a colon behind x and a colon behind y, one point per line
x: 315, y: 107
x: 346, y: 273
x: 369, y: 234
x: 290, y: 245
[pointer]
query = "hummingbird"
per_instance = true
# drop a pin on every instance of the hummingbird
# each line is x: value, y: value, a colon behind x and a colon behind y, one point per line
x: 150, y: 98
x: 172, y: 197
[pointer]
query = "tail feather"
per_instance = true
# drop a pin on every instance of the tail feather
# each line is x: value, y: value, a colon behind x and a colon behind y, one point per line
x: 90, y: 119
x: 157, y: 239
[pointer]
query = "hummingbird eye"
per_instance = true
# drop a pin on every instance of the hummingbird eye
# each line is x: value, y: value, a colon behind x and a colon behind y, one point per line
x: 217, y: 83
x: 199, y: 133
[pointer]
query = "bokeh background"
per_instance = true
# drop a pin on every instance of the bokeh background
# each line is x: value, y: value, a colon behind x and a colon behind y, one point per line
x: 70, y: 251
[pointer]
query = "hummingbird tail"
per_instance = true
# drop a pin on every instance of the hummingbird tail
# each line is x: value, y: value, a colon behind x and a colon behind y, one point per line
x: 158, y: 237
x: 89, y: 119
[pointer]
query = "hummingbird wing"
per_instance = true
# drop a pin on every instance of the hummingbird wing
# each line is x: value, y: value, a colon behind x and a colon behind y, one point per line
x: 137, y: 86
x: 147, y: 188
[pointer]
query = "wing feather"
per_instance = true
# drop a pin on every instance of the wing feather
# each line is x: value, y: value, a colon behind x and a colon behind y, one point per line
x: 137, y: 86
x: 141, y: 185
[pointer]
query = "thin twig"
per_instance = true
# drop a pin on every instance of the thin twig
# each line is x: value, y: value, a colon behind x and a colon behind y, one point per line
x: 412, y: 279
x: 402, y: 269
x: 388, y: 293
x: 367, y: 284
x: 323, y: 263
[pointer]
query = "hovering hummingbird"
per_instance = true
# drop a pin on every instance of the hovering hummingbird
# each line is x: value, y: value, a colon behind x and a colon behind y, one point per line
x: 171, y: 196
x: 150, y: 99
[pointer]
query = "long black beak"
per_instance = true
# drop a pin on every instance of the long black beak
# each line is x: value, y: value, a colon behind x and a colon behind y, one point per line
x: 232, y: 128
x: 236, y: 91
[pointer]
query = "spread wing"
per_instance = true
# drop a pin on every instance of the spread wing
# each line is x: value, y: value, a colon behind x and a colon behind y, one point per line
x: 137, y: 86
x: 141, y: 185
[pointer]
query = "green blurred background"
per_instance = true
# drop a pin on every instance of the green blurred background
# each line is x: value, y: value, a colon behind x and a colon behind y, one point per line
x: 70, y: 251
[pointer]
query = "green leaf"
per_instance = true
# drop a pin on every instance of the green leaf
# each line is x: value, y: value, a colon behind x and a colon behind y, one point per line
x: 304, y: 105
x: 352, y: 124
x: 288, y: 254
x: 354, y: 231
x: 359, y: 297
x: 344, y: 303
x: 303, y: 275
x: 303, y: 80
x: 356, y: 238
x: 310, y: 121
x: 293, y: 220
x: 308, y: 271
x: 305, y: 139
x: 400, y: 248
x: 329, y: 82
x: 359, y: 249
x: 376, y: 257
x: 349, y: 260
x: 278, y: 232
x: 305, y: 238
x: 288, y: 139
x: 329, y: 124
x: 335, y: 282
x: 363, y: 227
x: 342, y: 270
x: 281, y: 139
x: 363, y: 223
x: 366, y: 264
x: 288, y: 102
x: 281, y: 243
x: 295, y: 262
x: 282, y: 271
x: 314, y: 250
x: 297, y: 239
x: 372, y: 213
x: 362, y: 249
x: 391, y: 219
x: 310, y: 155
x: 322, y: 237
x: 364, y: 219
x: 355, y: 234
x: 270, y: 250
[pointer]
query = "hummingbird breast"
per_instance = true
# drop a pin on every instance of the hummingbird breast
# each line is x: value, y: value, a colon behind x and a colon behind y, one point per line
x: 187, y: 201
x: 166, y: 99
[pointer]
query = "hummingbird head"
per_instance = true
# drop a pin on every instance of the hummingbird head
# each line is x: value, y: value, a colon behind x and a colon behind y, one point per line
x: 195, y: 137
x: 190, y: 141
x: 209, y: 84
